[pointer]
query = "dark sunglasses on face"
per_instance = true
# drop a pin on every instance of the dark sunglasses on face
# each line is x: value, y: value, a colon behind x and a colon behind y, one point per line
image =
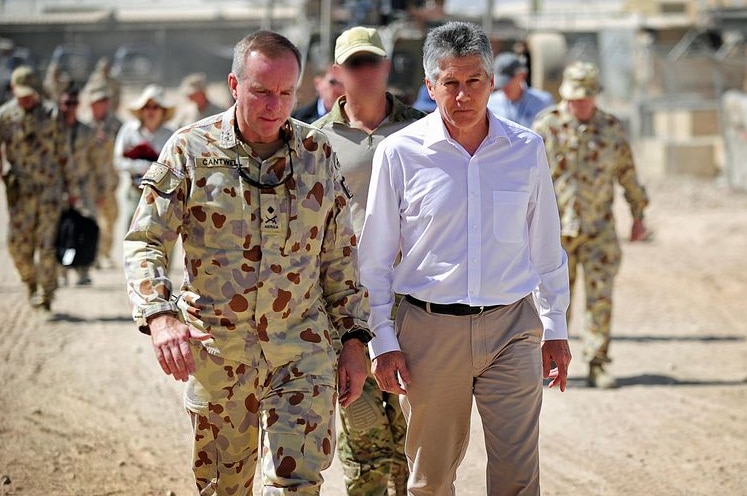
x: 362, y: 61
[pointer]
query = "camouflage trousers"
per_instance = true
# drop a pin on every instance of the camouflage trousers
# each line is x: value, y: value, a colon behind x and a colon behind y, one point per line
x: 107, y: 220
x: 286, y: 412
x: 371, y: 444
x: 32, y: 234
x: 599, y: 257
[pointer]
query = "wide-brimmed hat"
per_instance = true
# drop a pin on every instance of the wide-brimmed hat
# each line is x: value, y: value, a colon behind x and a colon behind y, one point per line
x: 23, y: 82
x: 505, y: 66
x: 358, y: 40
x: 580, y: 80
x: 152, y: 93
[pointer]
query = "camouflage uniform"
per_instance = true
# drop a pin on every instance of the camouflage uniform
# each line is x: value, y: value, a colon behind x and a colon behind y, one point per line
x: 35, y: 185
x: 371, y: 444
x: 586, y: 159
x: 107, y: 181
x: 276, y: 272
x: 81, y: 145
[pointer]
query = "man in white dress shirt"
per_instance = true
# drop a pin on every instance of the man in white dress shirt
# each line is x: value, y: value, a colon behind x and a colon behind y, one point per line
x: 466, y: 198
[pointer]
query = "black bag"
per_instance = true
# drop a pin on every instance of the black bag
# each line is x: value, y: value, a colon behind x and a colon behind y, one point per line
x: 77, y: 239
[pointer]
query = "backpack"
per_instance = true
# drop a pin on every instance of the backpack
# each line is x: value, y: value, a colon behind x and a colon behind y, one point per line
x: 77, y: 239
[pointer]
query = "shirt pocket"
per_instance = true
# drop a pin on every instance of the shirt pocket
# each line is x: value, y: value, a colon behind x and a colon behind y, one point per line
x: 509, y: 215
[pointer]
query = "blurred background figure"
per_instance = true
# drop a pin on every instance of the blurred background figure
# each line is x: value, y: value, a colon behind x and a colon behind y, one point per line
x: 588, y: 153
x: 521, y: 49
x: 81, y: 144
x: 512, y: 98
x: 328, y: 90
x: 194, y: 88
x: 105, y: 127
x: 8, y: 62
x: 139, y: 141
x: 55, y: 82
x: 36, y: 182
x: 423, y: 101
x: 101, y: 75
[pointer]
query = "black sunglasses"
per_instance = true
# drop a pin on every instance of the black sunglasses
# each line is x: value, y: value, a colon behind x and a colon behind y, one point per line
x: 257, y: 184
x: 363, y: 60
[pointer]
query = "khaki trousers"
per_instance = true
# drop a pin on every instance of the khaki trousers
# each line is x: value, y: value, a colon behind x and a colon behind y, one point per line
x: 494, y: 358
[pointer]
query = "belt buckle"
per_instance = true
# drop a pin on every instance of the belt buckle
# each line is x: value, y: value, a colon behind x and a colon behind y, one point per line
x: 482, y: 309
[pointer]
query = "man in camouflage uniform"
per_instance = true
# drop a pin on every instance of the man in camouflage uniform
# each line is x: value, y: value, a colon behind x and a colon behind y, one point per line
x: 588, y: 153
x: 371, y: 445
x: 81, y: 145
x: 105, y: 126
x: 270, y: 253
x: 35, y: 183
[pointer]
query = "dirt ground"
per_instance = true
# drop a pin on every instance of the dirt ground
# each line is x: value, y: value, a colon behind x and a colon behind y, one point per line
x: 85, y: 410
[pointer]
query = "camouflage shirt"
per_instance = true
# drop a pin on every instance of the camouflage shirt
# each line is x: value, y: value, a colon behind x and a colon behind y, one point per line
x: 35, y: 148
x: 275, y: 268
x: 105, y: 131
x: 81, y: 145
x: 586, y: 159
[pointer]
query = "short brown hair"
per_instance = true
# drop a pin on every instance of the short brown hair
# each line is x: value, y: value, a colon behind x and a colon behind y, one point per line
x: 267, y: 43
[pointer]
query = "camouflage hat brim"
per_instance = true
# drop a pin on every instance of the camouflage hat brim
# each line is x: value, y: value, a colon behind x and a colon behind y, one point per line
x: 571, y: 91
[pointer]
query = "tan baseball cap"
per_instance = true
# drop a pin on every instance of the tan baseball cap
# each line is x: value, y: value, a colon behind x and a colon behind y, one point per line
x: 580, y: 80
x: 23, y: 81
x: 99, y: 92
x: 358, y: 40
x: 193, y: 83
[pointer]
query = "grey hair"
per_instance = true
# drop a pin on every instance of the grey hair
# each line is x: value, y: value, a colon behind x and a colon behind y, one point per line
x: 267, y: 43
x: 455, y: 39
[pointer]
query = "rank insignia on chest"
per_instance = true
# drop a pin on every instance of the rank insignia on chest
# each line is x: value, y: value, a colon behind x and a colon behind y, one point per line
x: 270, y: 222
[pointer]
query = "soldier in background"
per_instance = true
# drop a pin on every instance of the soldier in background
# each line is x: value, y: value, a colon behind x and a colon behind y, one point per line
x: 81, y: 144
x: 101, y: 75
x: 105, y: 127
x: 194, y: 88
x: 588, y: 153
x: 371, y: 444
x: 55, y: 82
x: 35, y: 183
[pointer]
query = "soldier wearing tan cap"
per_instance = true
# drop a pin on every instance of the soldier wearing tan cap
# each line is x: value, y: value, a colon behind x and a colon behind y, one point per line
x: 371, y: 444
x: 194, y: 88
x: 588, y: 154
x: 35, y: 183
x: 105, y: 128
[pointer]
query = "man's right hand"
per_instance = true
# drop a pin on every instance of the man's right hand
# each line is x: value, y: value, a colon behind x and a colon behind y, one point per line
x: 170, y: 338
x: 391, y: 373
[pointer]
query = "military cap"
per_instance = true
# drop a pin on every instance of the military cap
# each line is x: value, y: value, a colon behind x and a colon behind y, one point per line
x: 358, y: 40
x: 580, y: 80
x: 23, y: 81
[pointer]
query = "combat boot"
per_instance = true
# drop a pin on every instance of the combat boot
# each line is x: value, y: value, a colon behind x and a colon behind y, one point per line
x: 600, y: 378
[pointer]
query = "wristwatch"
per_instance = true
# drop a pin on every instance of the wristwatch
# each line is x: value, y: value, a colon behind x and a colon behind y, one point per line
x: 360, y: 333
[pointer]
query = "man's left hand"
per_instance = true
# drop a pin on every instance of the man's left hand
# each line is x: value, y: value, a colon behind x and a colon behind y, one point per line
x: 352, y: 371
x: 557, y: 351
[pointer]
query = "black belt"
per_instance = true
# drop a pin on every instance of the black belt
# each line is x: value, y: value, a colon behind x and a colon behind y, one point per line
x: 451, y: 309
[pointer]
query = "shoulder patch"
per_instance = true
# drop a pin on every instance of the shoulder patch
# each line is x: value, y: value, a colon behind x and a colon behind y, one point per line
x: 161, y: 178
x: 156, y: 172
